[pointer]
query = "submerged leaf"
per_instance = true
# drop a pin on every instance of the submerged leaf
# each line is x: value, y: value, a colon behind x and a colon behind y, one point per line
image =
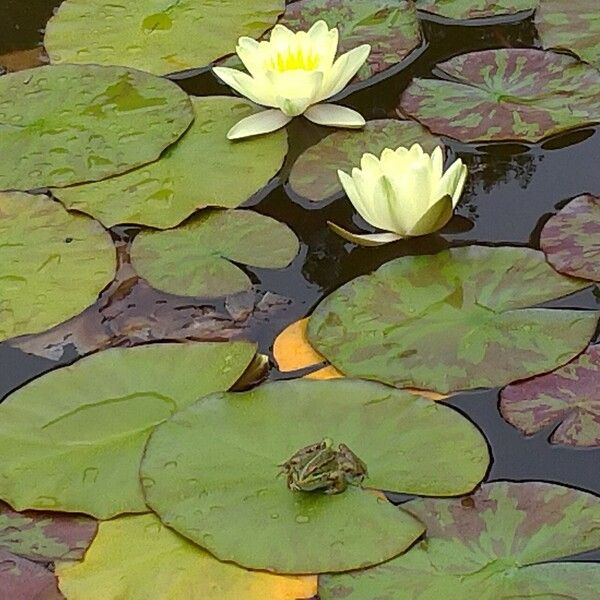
x: 213, y: 472
x: 44, y: 251
x: 460, y: 319
x: 22, y: 579
x: 492, y: 545
x: 81, y: 429
x: 506, y: 94
x: 476, y: 9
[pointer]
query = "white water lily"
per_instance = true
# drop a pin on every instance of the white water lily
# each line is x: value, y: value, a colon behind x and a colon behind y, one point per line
x: 404, y: 192
x: 293, y: 73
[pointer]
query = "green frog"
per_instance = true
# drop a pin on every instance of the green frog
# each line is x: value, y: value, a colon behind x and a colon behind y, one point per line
x: 321, y: 467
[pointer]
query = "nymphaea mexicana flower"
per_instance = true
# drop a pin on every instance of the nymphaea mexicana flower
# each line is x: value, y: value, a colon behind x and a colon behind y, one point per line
x: 404, y: 192
x: 292, y: 73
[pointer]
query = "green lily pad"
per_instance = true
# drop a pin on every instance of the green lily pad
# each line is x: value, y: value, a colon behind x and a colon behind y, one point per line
x: 492, y: 545
x: 22, y: 579
x: 171, y: 569
x: 571, y: 239
x: 67, y: 124
x: 212, y: 472
x: 314, y: 174
x: 568, y: 398
x: 159, y: 36
x: 193, y: 260
x: 460, y: 319
x: 189, y: 175
x: 44, y: 251
x: 81, y: 430
x: 570, y: 24
x: 507, y: 94
x: 465, y: 10
x: 45, y: 536
x: 391, y: 28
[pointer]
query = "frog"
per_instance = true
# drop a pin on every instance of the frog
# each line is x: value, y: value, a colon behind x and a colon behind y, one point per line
x: 321, y: 467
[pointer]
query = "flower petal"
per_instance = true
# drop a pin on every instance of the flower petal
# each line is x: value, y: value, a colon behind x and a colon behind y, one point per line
x: 246, y: 85
x: 333, y: 115
x: 259, y: 123
x: 343, y: 70
x: 435, y: 218
x: 366, y: 239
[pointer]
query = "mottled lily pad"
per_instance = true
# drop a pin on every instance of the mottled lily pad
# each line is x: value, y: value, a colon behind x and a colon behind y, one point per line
x: 22, y: 579
x: 203, y: 169
x: 45, y: 536
x: 160, y: 36
x: 81, y: 430
x: 491, y: 545
x: 568, y: 398
x: 571, y: 239
x: 46, y: 252
x: 507, y: 94
x: 571, y: 24
x: 465, y: 10
x: 212, y: 472
x: 460, y: 319
x: 193, y: 260
x: 172, y: 568
x: 314, y: 174
x: 62, y: 125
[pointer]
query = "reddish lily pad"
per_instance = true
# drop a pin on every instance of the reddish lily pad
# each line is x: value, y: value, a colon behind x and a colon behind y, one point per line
x: 314, y: 174
x: 44, y: 536
x: 569, y: 398
x: 506, y: 94
x: 476, y: 9
x: 571, y: 239
x: 494, y: 544
x: 571, y: 24
x: 460, y: 319
x: 22, y: 579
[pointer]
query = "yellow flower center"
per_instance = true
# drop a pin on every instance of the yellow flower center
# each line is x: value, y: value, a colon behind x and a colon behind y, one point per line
x: 289, y: 60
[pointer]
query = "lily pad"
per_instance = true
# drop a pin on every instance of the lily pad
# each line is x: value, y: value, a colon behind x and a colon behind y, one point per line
x: 460, y: 319
x: 568, y: 398
x: 571, y: 239
x: 22, y: 579
x: 213, y: 472
x: 193, y: 260
x: 172, y: 568
x: 491, y: 545
x: 67, y: 124
x: 44, y: 536
x: 391, y: 28
x: 465, y: 10
x: 314, y: 174
x: 570, y: 24
x: 44, y: 251
x: 160, y: 36
x: 507, y: 94
x: 203, y: 169
x: 81, y: 429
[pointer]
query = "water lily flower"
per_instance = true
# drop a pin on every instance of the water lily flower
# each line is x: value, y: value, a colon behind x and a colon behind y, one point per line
x: 293, y: 73
x: 404, y: 192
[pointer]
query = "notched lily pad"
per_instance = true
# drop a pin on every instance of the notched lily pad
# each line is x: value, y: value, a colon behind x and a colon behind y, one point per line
x: 81, y: 429
x: 507, y: 94
x: 172, y: 568
x: 314, y: 174
x: 203, y: 169
x: 568, y: 398
x: 66, y: 124
x: 571, y: 239
x: 476, y: 10
x: 45, y: 536
x: 161, y: 36
x: 496, y: 543
x: 193, y: 260
x: 213, y: 472
x: 572, y: 25
x: 460, y: 319
x: 44, y: 251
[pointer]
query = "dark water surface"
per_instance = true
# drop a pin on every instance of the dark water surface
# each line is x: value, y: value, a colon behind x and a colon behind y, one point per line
x: 512, y: 189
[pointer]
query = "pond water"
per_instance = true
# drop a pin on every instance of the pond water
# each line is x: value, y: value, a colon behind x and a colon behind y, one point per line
x: 511, y: 192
